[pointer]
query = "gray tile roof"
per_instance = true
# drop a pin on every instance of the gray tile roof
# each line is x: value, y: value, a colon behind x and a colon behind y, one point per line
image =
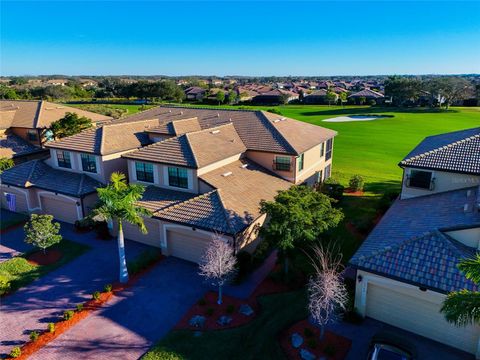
x: 458, y: 152
x: 156, y: 199
x: 13, y: 146
x: 367, y: 93
x: 39, y: 175
x: 409, y: 223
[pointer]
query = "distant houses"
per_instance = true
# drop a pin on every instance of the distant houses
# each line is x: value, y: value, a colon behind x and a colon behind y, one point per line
x: 366, y: 96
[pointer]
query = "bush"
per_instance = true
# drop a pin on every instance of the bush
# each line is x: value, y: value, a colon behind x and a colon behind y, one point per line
x: 96, y: 295
x: 16, y: 352
x: 332, y: 189
x: 230, y: 309
x: 308, y: 332
x: 386, y: 200
x: 102, y: 230
x: 51, y: 327
x: 107, y: 288
x: 79, y: 307
x: 4, y: 284
x: 312, y: 343
x: 274, y: 111
x: 209, y: 311
x: 202, y: 302
x: 34, y: 335
x: 330, y: 350
x: 84, y: 224
x: 143, y: 261
x: 356, y: 183
x: 68, y: 314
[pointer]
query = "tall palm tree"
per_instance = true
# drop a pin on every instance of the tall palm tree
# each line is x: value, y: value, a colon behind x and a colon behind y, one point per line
x: 463, y: 307
x: 118, y: 204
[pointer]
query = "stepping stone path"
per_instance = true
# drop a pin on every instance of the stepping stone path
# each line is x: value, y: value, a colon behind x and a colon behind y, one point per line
x: 297, y: 340
x: 197, y: 321
x: 246, y: 310
x: 224, y: 320
x: 306, y: 355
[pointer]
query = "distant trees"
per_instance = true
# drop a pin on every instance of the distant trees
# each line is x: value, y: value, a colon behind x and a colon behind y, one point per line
x: 232, y: 97
x: 8, y: 93
x: 402, y: 89
x: 70, y: 124
x: 450, y: 89
x: 331, y: 97
x: 343, y: 98
x: 164, y: 90
x: 220, y: 97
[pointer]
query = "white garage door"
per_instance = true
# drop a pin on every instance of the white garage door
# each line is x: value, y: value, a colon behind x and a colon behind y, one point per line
x: 61, y: 210
x: 187, y: 245
x: 152, y: 237
x: 407, y: 310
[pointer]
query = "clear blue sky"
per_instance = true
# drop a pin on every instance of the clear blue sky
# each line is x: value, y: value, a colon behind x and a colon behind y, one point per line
x: 239, y: 38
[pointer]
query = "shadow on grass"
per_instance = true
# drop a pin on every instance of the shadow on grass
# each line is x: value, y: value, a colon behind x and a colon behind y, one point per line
x: 376, y: 110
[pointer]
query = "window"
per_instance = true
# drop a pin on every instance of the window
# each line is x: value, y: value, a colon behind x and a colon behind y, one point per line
x: 322, y: 149
x: 32, y: 135
x: 89, y: 163
x: 144, y: 171
x: 327, y: 171
x: 301, y: 160
x: 328, y: 154
x: 282, y: 163
x: 178, y: 177
x: 319, y: 177
x: 420, y: 179
x: 63, y: 159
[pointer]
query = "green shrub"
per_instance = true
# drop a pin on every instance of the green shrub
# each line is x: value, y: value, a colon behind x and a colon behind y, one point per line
x: 202, y: 302
x: 51, y: 327
x: 79, y: 307
x: 68, y: 314
x: 4, y: 283
x: 159, y: 353
x: 210, y: 311
x: 16, y: 352
x: 96, y: 295
x: 102, y: 230
x: 356, y: 183
x: 107, y: 288
x: 143, y: 261
x: 230, y: 309
x: 84, y: 224
x: 274, y: 111
x: 312, y: 343
x: 330, y: 350
x: 5, y: 164
x: 308, y: 332
x: 34, y: 335
x: 333, y: 190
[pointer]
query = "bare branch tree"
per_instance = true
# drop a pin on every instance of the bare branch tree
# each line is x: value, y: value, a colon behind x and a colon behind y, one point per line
x: 218, y: 263
x: 327, y: 294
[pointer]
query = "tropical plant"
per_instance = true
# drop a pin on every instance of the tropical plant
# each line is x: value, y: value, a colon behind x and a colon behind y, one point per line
x: 118, y: 203
x: 463, y: 307
x: 218, y: 263
x: 42, y: 232
x: 5, y: 164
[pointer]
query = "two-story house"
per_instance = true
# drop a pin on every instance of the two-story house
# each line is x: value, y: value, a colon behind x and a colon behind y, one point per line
x: 408, y: 263
x: 205, y: 171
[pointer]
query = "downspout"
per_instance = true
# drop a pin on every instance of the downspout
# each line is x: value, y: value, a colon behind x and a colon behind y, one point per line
x: 81, y: 205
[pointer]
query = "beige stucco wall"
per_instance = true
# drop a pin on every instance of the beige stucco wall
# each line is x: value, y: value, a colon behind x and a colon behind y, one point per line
x: 444, y: 181
x: 22, y: 205
x: 23, y: 133
x: 469, y: 237
x: 266, y: 160
x: 313, y: 163
x: 249, y: 239
x: 218, y: 164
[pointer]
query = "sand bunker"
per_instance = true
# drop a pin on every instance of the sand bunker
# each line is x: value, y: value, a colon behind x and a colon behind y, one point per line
x: 355, y: 118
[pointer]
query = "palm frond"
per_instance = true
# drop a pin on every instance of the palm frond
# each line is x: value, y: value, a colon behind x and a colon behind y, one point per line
x: 462, y: 307
x: 471, y: 268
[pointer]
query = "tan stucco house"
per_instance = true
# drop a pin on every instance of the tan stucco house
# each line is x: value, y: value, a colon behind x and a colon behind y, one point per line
x: 408, y: 263
x: 205, y: 172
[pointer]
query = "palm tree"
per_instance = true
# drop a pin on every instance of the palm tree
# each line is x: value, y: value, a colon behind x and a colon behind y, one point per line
x: 463, y: 307
x: 118, y: 203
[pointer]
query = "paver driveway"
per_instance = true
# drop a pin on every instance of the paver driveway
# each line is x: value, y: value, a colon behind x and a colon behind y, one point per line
x: 45, y: 299
x: 135, y: 319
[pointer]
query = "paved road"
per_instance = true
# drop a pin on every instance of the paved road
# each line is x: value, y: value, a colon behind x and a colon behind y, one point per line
x: 134, y: 320
x: 45, y: 299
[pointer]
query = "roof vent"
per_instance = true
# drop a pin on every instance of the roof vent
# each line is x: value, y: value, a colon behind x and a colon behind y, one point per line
x: 283, y: 118
x: 181, y: 112
x: 244, y: 166
x: 214, y: 132
x: 227, y: 174
x: 218, y: 114
x: 276, y: 120
x: 60, y: 107
x: 170, y: 110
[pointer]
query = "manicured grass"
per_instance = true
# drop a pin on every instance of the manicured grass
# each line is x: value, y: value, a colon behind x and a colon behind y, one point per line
x: 256, y: 340
x: 19, y: 272
x: 105, y: 108
x: 13, y: 219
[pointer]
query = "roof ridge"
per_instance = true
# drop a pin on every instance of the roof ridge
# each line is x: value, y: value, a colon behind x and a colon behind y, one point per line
x: 205, y: 108
x: 80, y: 183
x: 225, y: 212
x: 212, y: 128
x: 31, y: 171
x: 191, y: 150
x: 102, y: 139
x: 38, y: 113
x: 270, y: 126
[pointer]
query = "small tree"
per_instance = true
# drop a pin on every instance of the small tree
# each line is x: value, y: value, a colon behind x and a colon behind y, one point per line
x: 327, y: 295
x: 299, y: 214
x: 331, y: 97
x: 232, y: 97
x: 343, y: 98
x: 6, y: 163
x: 70, y: 124
x: 41, y: 232
x: 362, y: 100
x: 220, y: 97
x: 218, y: 263
x: 356, y: 183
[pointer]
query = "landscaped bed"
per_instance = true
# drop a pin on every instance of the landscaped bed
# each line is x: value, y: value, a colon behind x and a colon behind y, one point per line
x: 13, y: 220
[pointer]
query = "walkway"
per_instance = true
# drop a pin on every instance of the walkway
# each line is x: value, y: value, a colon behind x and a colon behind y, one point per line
x: 45, y: 299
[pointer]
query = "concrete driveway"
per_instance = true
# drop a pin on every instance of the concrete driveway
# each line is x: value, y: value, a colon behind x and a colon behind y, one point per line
x: 134, y: 320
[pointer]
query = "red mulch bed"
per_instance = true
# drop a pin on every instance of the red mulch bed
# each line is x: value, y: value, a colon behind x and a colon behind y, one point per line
x: 313, y: 344
x: 354, y: 193
x: 49, y: 257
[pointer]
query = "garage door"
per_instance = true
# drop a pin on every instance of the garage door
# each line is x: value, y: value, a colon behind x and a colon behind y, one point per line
x: 61, y: 210
x: 152, y: 237
x: 187, y: 245
x: 14, y: 200
x: 407, y: 310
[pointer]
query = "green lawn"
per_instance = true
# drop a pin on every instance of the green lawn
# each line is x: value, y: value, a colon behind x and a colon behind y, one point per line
x: 18, y: 272
x: 115, y: 110
x: 256, y: 340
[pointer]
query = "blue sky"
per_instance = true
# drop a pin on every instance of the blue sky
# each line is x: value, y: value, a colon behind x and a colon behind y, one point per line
x: 239, y: 38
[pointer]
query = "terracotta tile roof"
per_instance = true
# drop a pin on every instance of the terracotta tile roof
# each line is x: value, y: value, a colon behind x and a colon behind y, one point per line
x: 108, y: 139
x: 457, y: 152
x: 38, y: 114
x: 12, y: 146
x: 367, y: 93
x: 195, y: 150
x: 39, y: 175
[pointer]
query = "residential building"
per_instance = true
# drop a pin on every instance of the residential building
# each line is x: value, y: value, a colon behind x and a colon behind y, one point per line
x: 205, y: 172
x: 367, y: 94
x: 408, y: 263
x: 195, y: 93
x: 276, y: 96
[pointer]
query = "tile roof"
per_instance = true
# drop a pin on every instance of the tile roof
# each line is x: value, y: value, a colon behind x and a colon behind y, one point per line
x: 177, y: 127
x: 367, y: 93
x: 38, y: 114
x: 458, y: 152
x: 37, y: 174
x: 156, y: 199
x: 12, y: 146
x: 411, y: 220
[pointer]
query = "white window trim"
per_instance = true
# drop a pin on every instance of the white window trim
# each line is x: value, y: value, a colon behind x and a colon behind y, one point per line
x: 97, y: 163
x: 134, y: 173
x: 408, y: 175
x: 189, y: 178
